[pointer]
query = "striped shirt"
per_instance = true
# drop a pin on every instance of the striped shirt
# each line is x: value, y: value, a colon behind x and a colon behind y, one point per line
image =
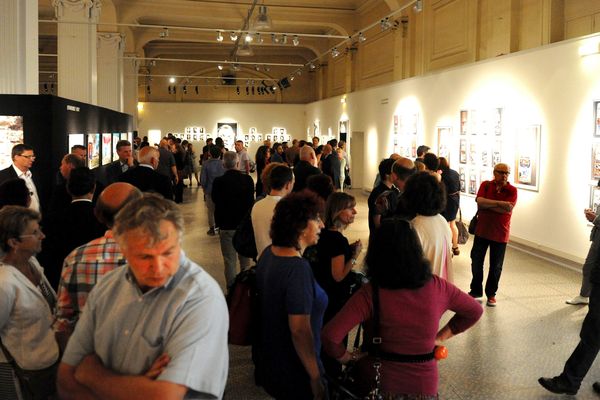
x: 81, y: 271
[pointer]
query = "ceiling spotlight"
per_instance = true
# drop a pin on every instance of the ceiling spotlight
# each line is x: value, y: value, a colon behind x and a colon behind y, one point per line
x: 292, y: 77
x: 312, y: 66
x: 233, y: 36
x: 284, y: 39
x: 295, y: 40
x: 335, y: 52
x: 299, y: 72
x: 361, y: 37
x: 248, y: 38
x: 267, y: 68
x: 259, y: 38
x: 385, y: 24
x: 262, y: 21
x: 235, y: 67
x: 184, y: 89
x: 220, y: 67
x: 219, y: 36
x: 418, y: 6
x: 257, y: 68
x: 171, y: 80
x: 274, y: 38
x: 164, y: 33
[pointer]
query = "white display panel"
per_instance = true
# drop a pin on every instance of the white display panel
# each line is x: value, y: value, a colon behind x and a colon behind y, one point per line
x: 11, y: 133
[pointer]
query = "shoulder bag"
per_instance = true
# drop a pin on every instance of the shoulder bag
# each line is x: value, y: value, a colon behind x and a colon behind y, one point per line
x: 35, y: 384
x: 463, y: 234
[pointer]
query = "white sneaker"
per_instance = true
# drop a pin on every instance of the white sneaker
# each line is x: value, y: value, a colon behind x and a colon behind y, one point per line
x: 578, y: 300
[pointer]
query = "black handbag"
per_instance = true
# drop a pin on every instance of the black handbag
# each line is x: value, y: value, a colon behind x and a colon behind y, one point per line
x: 35, y: 384
x: 463, y: 233
x: 473, y: 224
x: 243, y: 238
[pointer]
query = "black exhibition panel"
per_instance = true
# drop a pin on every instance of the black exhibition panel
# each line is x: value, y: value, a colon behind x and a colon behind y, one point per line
x: 47, y: 122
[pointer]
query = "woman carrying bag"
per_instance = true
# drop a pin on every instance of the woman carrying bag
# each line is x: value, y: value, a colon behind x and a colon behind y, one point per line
x: 29, y: 355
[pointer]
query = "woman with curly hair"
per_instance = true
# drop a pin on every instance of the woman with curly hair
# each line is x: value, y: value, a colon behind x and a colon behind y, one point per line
x: 291, y: 304
x: 425, y: 196
x: 411, y: 303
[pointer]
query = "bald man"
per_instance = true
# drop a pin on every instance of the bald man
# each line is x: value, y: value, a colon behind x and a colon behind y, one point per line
x: 495, y: 201
x: 306, y: 167
x: 145, y: 177
x: 87, y: 263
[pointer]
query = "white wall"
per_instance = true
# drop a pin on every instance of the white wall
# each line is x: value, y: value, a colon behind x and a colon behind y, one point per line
x: 552, y: 86
x: 174, y: 117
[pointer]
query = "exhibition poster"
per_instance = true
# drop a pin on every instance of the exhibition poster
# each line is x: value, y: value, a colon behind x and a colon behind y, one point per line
x: 594, y: 197
x: 76, y: 139
x: 106, y: 148
x: 464, y: 121
x: 463, y: 186
x: 597, y: 118
x: 527, y: 155
x: 115, y: 138
x: 595, y: 161
x: 11, y: 134
x: 444, y: 136
x: 93, y: 150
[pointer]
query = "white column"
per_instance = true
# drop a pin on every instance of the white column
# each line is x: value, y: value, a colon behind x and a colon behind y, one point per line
x: 130, y: 87
x: 19, y: 71
x: 110, y: 70
x: 77, y: 68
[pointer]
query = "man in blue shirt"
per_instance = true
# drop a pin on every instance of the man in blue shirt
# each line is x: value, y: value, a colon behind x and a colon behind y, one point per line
x: 156, y: 328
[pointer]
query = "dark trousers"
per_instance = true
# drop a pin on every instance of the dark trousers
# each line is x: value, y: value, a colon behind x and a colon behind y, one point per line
x: 586, y: 351
x: 497, y: 250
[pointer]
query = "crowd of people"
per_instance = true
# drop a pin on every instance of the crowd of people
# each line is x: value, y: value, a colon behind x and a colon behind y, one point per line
x: 75, y: 324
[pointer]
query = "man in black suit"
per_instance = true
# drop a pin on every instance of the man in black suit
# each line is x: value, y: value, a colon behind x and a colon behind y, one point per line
x: 61, y: 199
x: 305, y: 168
x: 23, y: 158
x: 145, y: 177
x: 125, y: 162
x: 233, y: 195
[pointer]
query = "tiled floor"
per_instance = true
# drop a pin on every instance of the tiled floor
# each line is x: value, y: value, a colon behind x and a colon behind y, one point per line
x: 529, y: 334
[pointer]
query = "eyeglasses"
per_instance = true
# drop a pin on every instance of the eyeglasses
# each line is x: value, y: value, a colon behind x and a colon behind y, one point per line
x: 36, y: 233
x: 32, y: 157
x: 502, y: 172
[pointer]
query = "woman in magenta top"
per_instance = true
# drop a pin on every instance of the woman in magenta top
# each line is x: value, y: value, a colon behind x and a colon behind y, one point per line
x: 412, y: 301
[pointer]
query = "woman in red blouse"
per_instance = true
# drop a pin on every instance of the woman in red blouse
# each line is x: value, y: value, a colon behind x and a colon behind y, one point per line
x: 412, y: 301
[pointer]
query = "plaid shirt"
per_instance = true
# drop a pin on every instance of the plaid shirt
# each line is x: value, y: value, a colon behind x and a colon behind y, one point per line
x: 81, y: 271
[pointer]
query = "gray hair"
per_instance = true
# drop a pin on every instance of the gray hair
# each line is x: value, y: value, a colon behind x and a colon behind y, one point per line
x: 146, y: 214
x: 230, y: 160
x: 13, y: 221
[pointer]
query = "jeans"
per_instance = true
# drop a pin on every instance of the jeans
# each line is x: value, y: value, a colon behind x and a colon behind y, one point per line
x: 586, y: 351
x: 229, y: 256
x: 590, y: 260
x: 478, y: 251
x: 210, y: 208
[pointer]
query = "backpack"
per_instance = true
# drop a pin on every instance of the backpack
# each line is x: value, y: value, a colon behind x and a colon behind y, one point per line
x: 243, y: 238
x: 242, y: 302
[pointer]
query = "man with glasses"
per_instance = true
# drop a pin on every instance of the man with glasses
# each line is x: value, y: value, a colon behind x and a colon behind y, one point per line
x: 23, y: 158
x: 495, y: 202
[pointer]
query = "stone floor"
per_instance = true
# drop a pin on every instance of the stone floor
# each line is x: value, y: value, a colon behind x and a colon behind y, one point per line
x: 529, y: 334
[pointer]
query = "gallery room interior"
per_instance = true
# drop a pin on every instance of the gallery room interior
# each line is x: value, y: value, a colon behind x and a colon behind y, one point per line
x: 479, y: 82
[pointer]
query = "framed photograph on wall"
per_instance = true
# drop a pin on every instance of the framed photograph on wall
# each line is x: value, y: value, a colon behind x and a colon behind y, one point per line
x: 597, y: 119
x: 595, y: 161
x: 497, y: 121
x: 463, y: 180
x: 93, y: 152
x: 594, y: 197
x: 463, y: 151
x: 106, y: 148
x: 444, y: 141
x: 527, y: 158
x: 464, y: 122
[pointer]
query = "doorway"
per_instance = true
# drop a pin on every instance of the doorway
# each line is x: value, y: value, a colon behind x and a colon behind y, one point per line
x: 357, y: 159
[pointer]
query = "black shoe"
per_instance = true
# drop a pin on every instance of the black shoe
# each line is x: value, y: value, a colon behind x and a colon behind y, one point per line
x: 555, y: 385
x: 596, y: 387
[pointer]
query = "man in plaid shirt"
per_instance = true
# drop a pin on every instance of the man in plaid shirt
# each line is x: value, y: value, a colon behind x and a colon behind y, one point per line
x: 85, y: 265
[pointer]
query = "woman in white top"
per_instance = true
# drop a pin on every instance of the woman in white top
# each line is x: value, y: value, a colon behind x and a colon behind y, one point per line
x: 425, y: 196
x: 340, y: 154
x: 26, y: 304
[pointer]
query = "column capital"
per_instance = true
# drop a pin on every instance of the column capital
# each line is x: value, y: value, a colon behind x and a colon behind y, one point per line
x: 110, y: 39
x: 84, y: 9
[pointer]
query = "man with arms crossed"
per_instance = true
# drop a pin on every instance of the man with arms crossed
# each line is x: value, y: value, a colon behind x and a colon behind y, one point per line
x: 495, y: 202
x: 154, y: 329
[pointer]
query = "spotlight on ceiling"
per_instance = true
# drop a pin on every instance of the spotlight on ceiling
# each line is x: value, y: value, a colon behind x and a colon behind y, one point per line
x: 292, y: 77
x: 219, y: 36
x: 184, y: 89
x: 312, y: 66
x: 418, y: 6
x: 361, y: 37
x: 335, y: 52
x: 295, y: 40
x: 164, y: 33
x: 262, y: 21
x: 259, y: 38
x: 171, y: 80
x: 266, y: 68
x: 235, y: 67
x: 274, y: 38
x: 257, y: 68
x: 220, y: 67
x: 385, y: 24
x: 284, y: 39
x: 248, y: 38
x: 233, y: 36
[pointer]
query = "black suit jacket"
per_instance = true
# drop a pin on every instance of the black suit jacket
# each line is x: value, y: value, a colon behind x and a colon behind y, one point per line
x: 7, y: 174
x: 112, y: 172
x: 148, y: 180
x: 302, y: 171
x: 233, y: 195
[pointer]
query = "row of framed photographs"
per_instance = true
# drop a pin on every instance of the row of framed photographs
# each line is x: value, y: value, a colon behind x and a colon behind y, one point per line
x: 101, y: 147
x: 254, y: 137
x: 405, y: 134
